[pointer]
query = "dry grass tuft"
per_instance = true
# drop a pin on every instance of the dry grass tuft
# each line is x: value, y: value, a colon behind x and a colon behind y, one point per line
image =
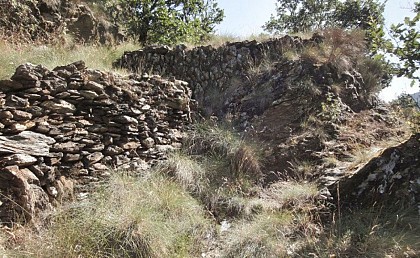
x: 147, y: 216
x: 218, y: 168
x: 244, y: 163
x: 370, y: 233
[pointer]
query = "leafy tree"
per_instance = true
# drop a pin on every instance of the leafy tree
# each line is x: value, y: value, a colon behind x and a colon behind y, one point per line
x: 166, y: 21
x: 300, y: 16
x: 407, y: 49
x: 358, y: 14
x: 308, y: 15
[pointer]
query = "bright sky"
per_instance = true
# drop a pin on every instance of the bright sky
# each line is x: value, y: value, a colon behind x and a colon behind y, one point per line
x: 246, y: 17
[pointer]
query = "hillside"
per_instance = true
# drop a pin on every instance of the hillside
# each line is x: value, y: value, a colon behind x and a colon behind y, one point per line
x: 50, y: 21
x: 278, y: 148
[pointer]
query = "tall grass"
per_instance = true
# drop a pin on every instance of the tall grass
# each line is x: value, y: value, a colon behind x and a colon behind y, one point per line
x: 218, y: 168
x: 147, y: 216
x: 286, y: 222
x: 95, y: 56
x: 371, y: 232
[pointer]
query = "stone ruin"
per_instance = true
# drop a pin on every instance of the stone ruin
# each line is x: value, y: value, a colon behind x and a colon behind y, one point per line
x: 72, y: 124
x: 209, y: 69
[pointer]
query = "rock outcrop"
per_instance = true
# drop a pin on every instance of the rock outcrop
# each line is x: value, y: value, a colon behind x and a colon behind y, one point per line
x: 72, y: 123
x: 392, y: 179
x: 48, y: 20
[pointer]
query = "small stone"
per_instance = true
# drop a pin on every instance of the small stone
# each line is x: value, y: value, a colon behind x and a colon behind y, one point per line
x: 36, y: 170
x: 95, y: 148
x: 6, y: 115
x: 21, y: 115
x: 126, y: 120
x: 26, y: 72
x: 146, y: 107
x: 93, y: 158
x: 21, y: 160
x: 52, y: 191
x: 59, y: 106
x: 68, y: 147
x: 113, y: 150
x: 148, y: 142
x: 130, y: 145
x: 54, y: 160
x: 87, y: 94
x: 16, y: 128
x: 68, y: 157
x: 99, y: 166
x: 15, y: 101
x: 93, y: 86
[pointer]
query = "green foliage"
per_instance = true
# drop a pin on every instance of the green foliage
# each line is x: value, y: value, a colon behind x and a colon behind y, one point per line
x: 408, y: 49
x: 166, y: 22
x: 358, y: 14
x: 307, y: 15
x: 330, y: 109
x: 300, y: 16
x: 409, y: 110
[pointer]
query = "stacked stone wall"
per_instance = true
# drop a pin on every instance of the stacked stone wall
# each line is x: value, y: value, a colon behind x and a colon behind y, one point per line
x: 209, y: 69
x: 73, y: 123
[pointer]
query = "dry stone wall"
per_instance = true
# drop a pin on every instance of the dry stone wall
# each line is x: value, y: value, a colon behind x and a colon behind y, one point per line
x: 208, y: 69
x: 72, y: 123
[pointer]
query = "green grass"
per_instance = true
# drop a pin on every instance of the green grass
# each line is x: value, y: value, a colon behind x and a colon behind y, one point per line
x: 96, y: 57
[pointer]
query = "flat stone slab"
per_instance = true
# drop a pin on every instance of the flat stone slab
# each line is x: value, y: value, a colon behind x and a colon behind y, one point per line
x: 27, y: 142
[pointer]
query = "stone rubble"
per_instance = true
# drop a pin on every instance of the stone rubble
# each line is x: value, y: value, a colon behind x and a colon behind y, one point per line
x: 73, y: 123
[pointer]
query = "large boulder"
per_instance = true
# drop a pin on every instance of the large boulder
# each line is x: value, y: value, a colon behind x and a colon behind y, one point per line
x: 389, y: 179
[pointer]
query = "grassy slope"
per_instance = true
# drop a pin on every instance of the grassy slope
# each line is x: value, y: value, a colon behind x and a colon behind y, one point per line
x: 96, y: 57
